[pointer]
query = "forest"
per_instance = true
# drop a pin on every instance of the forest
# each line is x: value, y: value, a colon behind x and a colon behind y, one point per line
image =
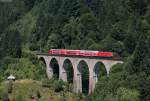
x: 120, y: 26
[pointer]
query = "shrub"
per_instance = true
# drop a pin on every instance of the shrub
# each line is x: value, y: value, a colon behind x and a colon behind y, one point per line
x: 38, y: 94
x: 47, y: 83
x: 19, y: 98
x: 59, y: 86
x: 124, y: 94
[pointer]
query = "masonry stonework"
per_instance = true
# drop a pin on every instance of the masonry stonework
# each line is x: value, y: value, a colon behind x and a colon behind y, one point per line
x: 77, y: 78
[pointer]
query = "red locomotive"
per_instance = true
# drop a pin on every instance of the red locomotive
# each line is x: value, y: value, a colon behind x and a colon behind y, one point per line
x: 80, y: 53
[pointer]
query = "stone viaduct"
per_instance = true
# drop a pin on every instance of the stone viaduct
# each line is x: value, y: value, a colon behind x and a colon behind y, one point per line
x: 75, y: 61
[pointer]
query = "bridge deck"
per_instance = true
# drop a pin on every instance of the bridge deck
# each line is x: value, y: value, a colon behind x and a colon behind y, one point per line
x: 75, y: 56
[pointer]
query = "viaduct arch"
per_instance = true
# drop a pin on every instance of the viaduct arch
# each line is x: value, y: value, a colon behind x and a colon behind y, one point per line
x: 68, y: 70
x: 75, y: 61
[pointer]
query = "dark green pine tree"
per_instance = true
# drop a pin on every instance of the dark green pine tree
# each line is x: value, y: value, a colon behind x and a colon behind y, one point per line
x: 11, y: 43
x: 70, y: 34
x: 145, y: 90
x: 141, y: 55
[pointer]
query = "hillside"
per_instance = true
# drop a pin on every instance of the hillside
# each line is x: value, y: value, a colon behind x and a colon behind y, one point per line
x: 30, y: 90
x: 120, y: 26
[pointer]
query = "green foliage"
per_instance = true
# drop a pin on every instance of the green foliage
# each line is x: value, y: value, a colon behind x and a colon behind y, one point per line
x: 23, y: 68
x: 11, y: 12
x: 19, y: 98
x: 11, y: 44
x: 47, y: 83
x: 120, y: 26
x: 113, y: 90
x: 116, y: 68
x: 59, y: 86
x: 70, y: 33
x: 5, y: 88
x: 145, y: 94
x: 124, y: 94
x: 56, y: 85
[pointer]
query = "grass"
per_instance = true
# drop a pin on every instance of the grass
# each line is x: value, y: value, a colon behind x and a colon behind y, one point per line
x: 29, y: 88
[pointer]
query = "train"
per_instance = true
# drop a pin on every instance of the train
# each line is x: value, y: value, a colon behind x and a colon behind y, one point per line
x: 84, y: 53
